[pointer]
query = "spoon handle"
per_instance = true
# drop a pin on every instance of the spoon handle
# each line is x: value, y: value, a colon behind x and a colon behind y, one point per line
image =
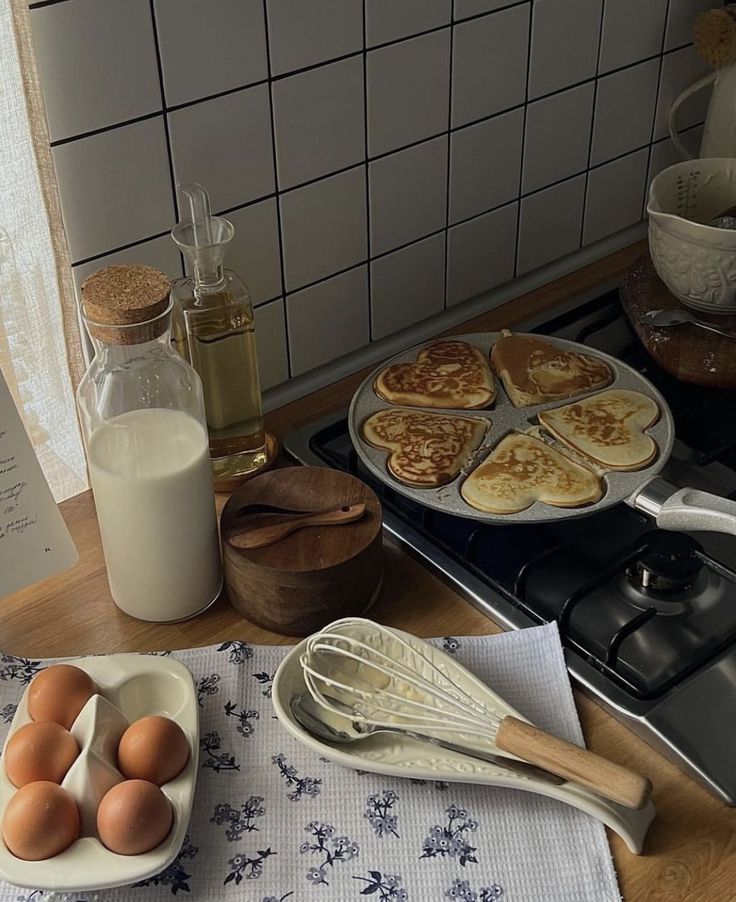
x: 710, y: 328
x: 262, y: 536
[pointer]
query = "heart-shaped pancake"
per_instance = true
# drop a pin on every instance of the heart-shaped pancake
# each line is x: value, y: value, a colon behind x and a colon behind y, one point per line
x: 522, y: 469
x: 426, y: 449
x: 609, y: 428
x: 534, y: 370
x: 449, y: 374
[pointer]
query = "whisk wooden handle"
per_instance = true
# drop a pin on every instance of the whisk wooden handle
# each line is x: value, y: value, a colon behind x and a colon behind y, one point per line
x: 619, y: 784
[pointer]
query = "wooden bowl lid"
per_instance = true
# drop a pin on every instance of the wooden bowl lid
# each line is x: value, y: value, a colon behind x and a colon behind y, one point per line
x: 311, y: 549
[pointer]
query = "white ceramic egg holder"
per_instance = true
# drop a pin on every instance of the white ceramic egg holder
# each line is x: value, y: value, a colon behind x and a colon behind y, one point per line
x: 130, y: 686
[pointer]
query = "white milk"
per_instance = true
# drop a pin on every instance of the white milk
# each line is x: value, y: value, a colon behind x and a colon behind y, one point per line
x: 152, y: 481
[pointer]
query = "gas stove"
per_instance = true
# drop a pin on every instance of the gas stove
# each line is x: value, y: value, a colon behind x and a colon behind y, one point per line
x: 647, y: 617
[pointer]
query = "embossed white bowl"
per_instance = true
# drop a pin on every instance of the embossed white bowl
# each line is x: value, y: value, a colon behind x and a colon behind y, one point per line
x: 130, y: 686
x: 696, y: 262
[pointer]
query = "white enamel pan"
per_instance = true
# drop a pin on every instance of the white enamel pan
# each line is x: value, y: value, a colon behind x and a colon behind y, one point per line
x: 672, y: 507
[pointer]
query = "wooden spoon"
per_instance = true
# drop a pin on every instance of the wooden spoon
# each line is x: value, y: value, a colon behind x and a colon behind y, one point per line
x: 261, y: 536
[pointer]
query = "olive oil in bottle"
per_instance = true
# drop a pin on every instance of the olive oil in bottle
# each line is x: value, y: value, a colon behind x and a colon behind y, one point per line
x: 213, y: 329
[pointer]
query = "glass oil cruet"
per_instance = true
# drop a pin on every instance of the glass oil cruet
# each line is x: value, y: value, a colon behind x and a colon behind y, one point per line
x: 213, y: 328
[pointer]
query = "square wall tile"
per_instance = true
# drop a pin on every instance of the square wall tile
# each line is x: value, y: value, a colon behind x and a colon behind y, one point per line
x: 564, y: 43
x: 225, y: 145
x: 557, y: 137
x: 324, y: 227
x: 679, y: 70
x: 210, y: 47
x: 466, y: 8
x: 615, y: 196
x: 408, y: 194
x: 387, y: 20
x: 624, y: 111
x: 489, y: 59
x: 161, y: 253
x: 681, y: 19
x: 319, y: 121
x: 408, y: 91
x: 254, y: 251
x: 550, y: 222
x: 115, y: 188
x: 485, y: 163
x: 273, y: 361
x: 632, y: 31
x: 407, y: 286
x: 97, y: 63
x: 480, y: 254
x: 302, y: 34
x: 328, y: 320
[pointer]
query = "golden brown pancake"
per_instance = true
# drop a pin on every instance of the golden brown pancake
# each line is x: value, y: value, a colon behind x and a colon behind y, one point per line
x: 449, y: 374
x: 521, y: 470
x: 608, y: 428
x: 534, y: 370
x: 426, y: 449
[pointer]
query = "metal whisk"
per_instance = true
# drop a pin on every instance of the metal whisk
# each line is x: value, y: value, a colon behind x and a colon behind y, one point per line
x: 387, y: 679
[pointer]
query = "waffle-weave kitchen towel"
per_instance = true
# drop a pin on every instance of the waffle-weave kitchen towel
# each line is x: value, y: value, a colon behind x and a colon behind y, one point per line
x: 274, y: 821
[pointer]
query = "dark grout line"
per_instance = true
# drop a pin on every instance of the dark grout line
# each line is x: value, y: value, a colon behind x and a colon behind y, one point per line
x: 60, y: 142
x: 523, y: 142
x: 449, y: 151
x: 187, y: 103
x: 332, y: 275
x: 593, y: 114
x: 160, y: 70
x: 121, y: 247
x: 279, y: 224
x: 369, y: 238
x: 656, y: 102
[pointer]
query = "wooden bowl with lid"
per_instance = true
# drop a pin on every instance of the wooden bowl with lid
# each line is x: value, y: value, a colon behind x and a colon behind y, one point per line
x: 315, y: 575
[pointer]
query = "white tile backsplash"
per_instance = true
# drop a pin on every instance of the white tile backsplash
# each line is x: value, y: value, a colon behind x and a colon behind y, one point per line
x: 632, y: 30
x: 387, y: 20
x: 557, y: 137
x: 328, y: 320
x: 83, y: 48
x: 210, y: 47
x: 489, y: 59
x: 273, y: 358
x: 115, y: 188
x: 564, y: 43
x: 407, y: 286
x: 319, y: 121
x: 485, y: 164
x: 225, y: 144
x: 324, y: 227
x: 384, y: 154
x: 304, y: 33
x: 549, y: 224
x: 620, y: 125
x: 615, y: 196
x: 407, y: 195
x: 408, y: 91
x: 480, y: 254
x: 254, y: 251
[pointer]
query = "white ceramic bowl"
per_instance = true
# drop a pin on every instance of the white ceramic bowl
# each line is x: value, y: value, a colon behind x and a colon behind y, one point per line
x: 696, y: 262
x: 130, y: 686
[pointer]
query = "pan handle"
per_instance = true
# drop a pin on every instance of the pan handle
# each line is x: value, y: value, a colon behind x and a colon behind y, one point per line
x: 685, y: 509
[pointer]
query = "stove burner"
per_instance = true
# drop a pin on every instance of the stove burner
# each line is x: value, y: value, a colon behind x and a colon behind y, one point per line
x: 669, y: 563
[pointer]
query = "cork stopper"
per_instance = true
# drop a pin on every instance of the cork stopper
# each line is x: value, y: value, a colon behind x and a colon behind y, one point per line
x: 123, y: 296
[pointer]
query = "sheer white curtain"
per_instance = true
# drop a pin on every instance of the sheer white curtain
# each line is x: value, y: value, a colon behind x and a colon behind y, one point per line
x: 40, y: 348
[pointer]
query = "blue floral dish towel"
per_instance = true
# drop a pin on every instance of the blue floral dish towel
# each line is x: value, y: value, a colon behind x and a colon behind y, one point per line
x: 274, y: 821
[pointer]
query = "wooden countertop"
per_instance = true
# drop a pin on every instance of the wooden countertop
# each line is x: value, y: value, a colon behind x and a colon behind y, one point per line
x: 690, y: 852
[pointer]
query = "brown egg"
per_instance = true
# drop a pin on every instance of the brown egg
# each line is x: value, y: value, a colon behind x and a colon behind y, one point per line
x: 39, y: 751
x: 134, y: 817
x: 153, y: 748
x: 41, y: 820
x: 59, y: 693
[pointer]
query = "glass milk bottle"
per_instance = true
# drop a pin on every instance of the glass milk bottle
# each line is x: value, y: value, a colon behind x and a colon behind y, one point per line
x: 142, y: 414
x: 214, y: 330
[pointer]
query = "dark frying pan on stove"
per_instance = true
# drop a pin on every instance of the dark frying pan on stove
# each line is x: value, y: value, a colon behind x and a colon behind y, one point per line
x: 673, y: 507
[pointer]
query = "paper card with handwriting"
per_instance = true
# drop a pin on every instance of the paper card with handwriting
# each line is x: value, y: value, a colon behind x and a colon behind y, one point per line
x: 34, y: 541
